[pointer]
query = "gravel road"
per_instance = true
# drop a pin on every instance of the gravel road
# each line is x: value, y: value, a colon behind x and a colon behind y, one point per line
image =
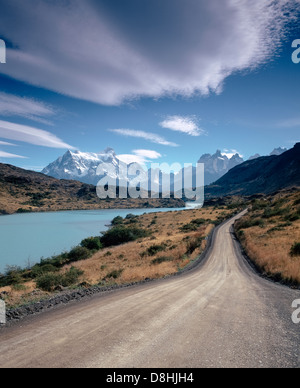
x: 221, y: 314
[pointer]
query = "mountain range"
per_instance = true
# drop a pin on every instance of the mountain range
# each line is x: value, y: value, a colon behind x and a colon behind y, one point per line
x: 22, y: 190
x: 263, y: 175
x: 82, y: 166
x: 217, y: 165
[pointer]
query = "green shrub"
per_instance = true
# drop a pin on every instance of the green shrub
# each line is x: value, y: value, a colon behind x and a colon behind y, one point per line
x: 160, y: 260
x: 297, y: 202
x: 154, y: 249
x: 71, y: 277
x: 56, y: 261
x: 12, y: 276
x: 275, y: 211
x: 79, y: 253
x: 49, y: 281
x: 249, y: 223
x: 21, y: 210
x: 130, y: 216
x: 193, y: 244
x: 189, y: 228
x: 241, y: 234
x: 117, y: 221
x: 120, y: 235
x: 92, y: 243
x: 193, y: 225
x: 292, y: 217
x: 39, y: 270
x: 259, y: 204
x: 295, y: 250
x: 115, y: 274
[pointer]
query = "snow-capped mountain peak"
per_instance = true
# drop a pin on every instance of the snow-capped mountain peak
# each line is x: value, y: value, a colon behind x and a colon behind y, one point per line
x: 81, y: 166
x: 218, y: 164
x: 278, y: 151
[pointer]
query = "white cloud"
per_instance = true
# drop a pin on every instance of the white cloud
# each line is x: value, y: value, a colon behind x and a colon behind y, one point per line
x: 149, y: 154
x: 31, y: 135
x: 129, y: 158
x: 186, y: 125
x: 11, y: 105
x: 107, y: 53
x: 140, y: 156
x: 6, y: 144
x: 8, y: 155
x: 152, y: 137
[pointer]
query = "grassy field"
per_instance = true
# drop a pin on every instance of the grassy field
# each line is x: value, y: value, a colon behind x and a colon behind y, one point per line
x: 270, y: 235
x: 169, y: 242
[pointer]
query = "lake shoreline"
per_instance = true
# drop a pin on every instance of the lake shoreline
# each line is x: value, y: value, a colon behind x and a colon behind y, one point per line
x: 33, y: 226
x: 171, y: 206
x: 80, y: 294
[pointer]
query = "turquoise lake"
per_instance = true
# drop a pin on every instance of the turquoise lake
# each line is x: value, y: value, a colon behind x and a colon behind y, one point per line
x: 26, y: 238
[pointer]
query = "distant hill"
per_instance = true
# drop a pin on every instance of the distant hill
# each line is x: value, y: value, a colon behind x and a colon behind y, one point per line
x: 26, y: 191
x: 263, y: 175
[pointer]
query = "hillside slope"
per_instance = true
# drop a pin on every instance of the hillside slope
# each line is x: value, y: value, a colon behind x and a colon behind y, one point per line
x: 264, y: 175
x: 26, y: 191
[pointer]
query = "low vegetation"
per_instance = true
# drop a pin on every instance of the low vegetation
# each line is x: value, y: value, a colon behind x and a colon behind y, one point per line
x: 134, y: 249
x: 270, y: 235
x: 295, y: 250
x: 52, y: 281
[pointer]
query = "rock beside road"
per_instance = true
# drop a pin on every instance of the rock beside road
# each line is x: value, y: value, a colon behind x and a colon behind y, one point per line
x: 16, y: 314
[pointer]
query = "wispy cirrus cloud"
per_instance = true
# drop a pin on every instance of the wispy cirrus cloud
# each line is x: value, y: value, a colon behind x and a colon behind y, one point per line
x: 185, y: 124
x: 140, y: 156
x: 149, y: 136
x: 11, y: 156
x: 118, y: 55
x: 148, y: 154
x: 31, y: 135
x: 11, y: 105
x: 4, y: 143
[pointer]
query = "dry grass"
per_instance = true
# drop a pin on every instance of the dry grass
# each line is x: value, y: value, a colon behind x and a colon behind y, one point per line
x: 132, y: 262
x: 269, y: 244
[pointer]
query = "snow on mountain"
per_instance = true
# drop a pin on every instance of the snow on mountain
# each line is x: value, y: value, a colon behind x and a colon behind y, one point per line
x: 278, y: 151
x: 217, y: 165
x: 82, y: 166
x: 256, y: 156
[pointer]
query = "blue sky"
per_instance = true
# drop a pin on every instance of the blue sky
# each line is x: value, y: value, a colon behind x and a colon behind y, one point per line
x: 163, y: 81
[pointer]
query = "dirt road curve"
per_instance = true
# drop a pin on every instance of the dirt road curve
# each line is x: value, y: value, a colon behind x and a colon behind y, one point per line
x: 219, y: 315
